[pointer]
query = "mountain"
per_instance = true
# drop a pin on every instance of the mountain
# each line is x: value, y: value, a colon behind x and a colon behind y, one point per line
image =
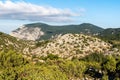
x: 40, y: 31
x: 111, y: 34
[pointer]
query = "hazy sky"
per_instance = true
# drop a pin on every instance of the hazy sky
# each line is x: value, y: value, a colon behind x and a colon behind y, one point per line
x: 14, y: 13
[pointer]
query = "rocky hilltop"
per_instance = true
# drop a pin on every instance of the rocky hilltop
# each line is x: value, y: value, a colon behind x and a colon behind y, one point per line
x: 73, y: 45
x: 65, y: 46
x: 41, y: 31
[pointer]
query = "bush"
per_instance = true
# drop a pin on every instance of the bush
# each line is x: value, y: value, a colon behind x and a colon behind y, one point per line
x: 95, y: 57
x: 11, y: 59
x: 51, y: 57
x: 33, y: 72
x: 110, y: 64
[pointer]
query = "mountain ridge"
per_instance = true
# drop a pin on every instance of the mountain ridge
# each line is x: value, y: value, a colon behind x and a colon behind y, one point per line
x: 49, y: 30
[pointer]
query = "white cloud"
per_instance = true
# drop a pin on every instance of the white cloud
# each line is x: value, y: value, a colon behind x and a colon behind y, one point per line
x: 29, y: 11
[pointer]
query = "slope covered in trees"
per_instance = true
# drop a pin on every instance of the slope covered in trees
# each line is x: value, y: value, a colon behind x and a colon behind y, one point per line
x: 111, y: 35
x: 14, y: 66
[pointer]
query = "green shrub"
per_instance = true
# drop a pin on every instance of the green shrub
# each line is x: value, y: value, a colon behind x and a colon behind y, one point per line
x: 11, y: 59
x: 51, y: 57
x: 95, y: 57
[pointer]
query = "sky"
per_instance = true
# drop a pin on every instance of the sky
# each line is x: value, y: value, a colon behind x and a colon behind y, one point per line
x: 15, y: 13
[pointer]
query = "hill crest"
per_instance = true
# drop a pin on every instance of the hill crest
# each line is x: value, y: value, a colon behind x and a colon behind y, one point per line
x: 41, y: 31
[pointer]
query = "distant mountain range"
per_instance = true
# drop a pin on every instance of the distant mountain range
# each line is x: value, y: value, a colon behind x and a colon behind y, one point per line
x: 41, y: 31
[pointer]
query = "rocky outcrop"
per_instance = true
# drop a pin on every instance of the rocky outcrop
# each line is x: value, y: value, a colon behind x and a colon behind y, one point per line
x: 72, y: 45
x: 27, y: 33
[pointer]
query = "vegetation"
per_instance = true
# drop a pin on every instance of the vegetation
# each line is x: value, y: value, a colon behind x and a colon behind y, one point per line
x: 14, y: 66
x: 111, y: 35
x: 8, y: 42
x: 42, y: 43
x: 50, y: 30
x: 51, y: 57
x: 94, y: 57
x: 70, y: 45
x: 97, y: 65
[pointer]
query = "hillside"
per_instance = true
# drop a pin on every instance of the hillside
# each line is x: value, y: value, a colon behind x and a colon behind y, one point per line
x: 64, y: 57
x: 42, y: 31
x: 8, y: 42
x: 111, y: 34
x: 73, y: 45
x: 65, y: 46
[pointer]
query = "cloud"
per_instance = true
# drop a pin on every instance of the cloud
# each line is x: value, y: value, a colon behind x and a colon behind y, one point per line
x: 29, y: 11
